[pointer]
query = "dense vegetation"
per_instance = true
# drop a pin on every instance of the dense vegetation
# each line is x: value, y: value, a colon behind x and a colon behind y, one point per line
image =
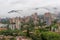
x: 36, y: 35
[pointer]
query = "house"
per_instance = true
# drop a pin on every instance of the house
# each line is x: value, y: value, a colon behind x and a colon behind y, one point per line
x: 3, y: 26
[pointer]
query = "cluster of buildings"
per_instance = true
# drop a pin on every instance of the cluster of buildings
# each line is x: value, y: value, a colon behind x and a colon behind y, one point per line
x: 16, y: 23
x: 14, y: 38
x: 23, y: 38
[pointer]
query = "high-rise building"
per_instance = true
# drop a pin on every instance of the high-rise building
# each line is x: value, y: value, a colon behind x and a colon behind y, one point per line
x: 15, y: 23
x: 58, y: 16
x: 54, y: 17
x: 27, y: 19
x: 58, y: 23
x: 47, y: 18
x: 35, y: 18
x: 12, y: 23
x: 18, y: 22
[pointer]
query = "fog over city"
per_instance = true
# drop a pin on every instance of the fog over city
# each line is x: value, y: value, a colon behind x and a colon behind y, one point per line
x: 27, y: 7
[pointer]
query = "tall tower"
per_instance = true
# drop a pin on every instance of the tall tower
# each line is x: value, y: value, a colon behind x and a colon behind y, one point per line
x: 18, y: 22
x: 12, y: 23
x: 48, y: 18
x: 35, y: 19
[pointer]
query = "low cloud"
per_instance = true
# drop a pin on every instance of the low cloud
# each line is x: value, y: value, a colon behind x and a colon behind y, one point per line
x: 7, y: 5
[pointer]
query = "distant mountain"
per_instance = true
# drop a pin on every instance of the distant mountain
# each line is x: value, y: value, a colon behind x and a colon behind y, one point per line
x: 39, y: 10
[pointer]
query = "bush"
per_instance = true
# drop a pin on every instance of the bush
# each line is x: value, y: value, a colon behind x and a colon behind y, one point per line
x: 36, y: 35
x: 50, y: 36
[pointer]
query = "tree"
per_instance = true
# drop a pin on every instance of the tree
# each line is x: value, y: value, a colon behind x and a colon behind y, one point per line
x: 36, y: 35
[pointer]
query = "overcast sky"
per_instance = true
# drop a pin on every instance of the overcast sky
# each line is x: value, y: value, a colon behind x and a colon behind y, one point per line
x: 7, y: 5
